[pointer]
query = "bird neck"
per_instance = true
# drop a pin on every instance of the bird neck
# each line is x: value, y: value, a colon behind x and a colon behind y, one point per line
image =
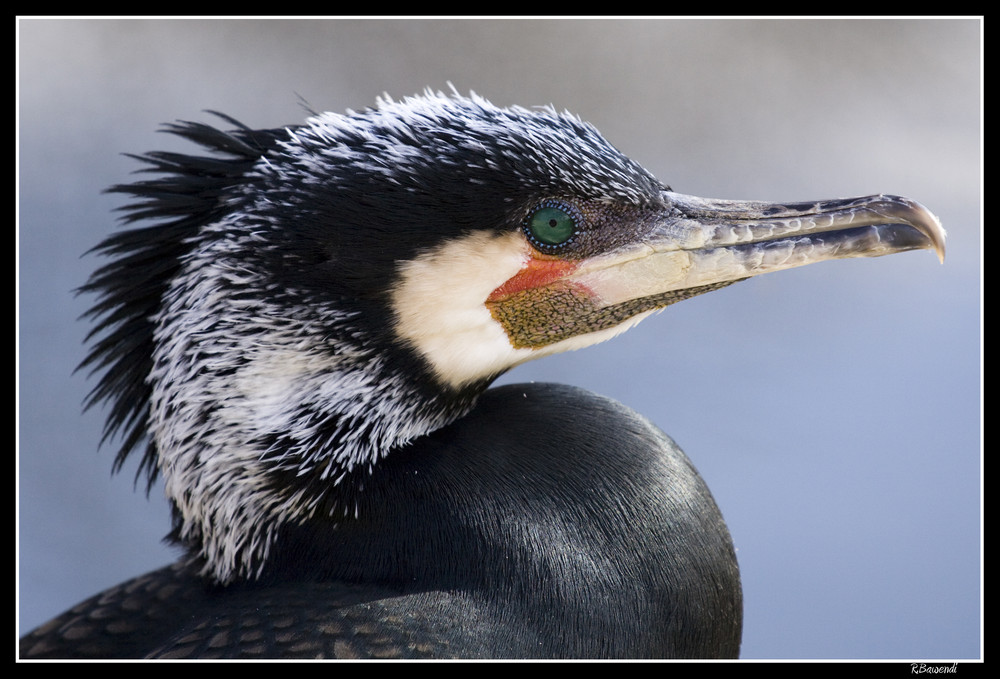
x: 259, y: 414
x: 550, y: 509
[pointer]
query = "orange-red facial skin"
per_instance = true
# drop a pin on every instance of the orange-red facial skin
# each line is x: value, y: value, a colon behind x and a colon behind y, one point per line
x: 538, y: 271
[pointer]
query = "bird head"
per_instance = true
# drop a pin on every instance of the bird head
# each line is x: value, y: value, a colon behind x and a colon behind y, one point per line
x: 308, y: 300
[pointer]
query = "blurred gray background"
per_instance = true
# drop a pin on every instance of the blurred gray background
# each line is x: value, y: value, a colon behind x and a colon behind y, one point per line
x: 834, y: 410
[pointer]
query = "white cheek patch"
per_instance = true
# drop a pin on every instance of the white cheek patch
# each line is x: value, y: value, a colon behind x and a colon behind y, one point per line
x: 440, y: 308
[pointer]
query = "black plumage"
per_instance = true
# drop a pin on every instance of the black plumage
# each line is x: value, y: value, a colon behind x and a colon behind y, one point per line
x: 453, y: 553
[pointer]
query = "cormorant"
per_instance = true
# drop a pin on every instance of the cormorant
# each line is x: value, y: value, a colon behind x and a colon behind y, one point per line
x: 302, y: 335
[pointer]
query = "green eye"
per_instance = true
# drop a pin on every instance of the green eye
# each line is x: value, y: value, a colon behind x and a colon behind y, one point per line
x: 551, y: 225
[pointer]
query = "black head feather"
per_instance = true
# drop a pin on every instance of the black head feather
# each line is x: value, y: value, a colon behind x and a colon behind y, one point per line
x: 188, y: 192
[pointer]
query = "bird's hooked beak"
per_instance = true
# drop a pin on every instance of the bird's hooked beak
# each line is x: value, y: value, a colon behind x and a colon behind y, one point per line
x: 699, y: 245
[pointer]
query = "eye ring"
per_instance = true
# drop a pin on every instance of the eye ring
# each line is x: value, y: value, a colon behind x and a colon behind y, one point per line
x: 552, y: 225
